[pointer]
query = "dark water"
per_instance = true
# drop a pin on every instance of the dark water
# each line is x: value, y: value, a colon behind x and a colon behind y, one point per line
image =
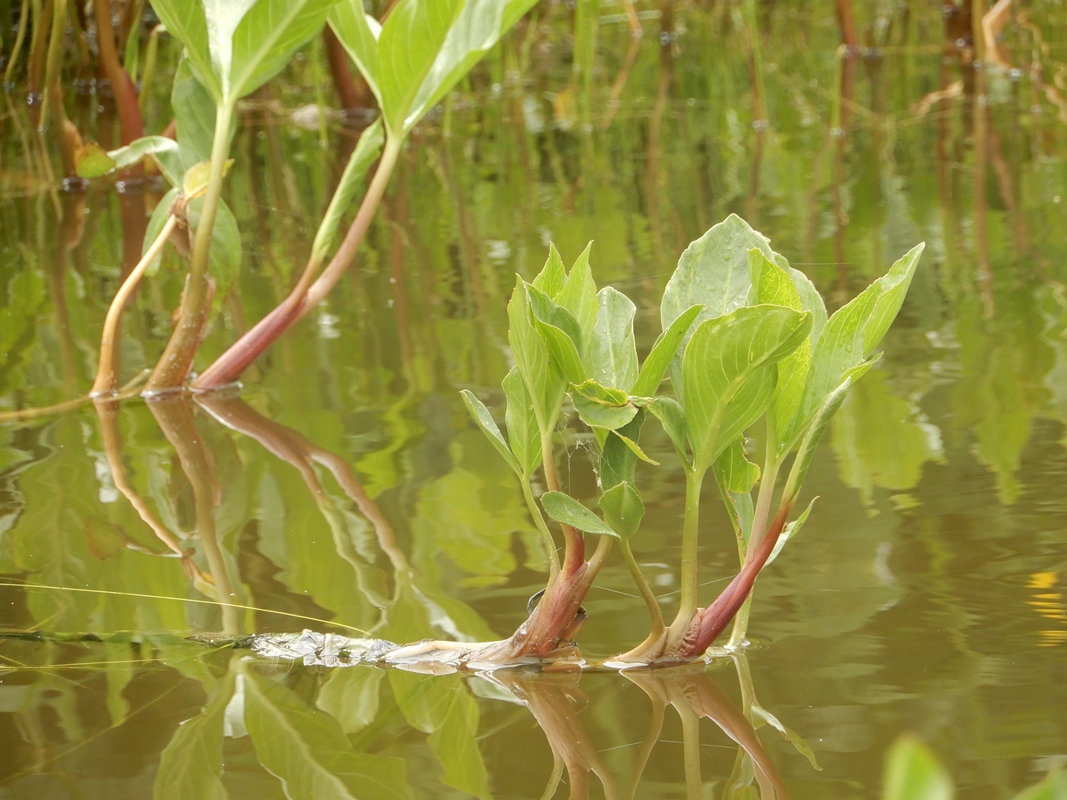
x: 348, y: 491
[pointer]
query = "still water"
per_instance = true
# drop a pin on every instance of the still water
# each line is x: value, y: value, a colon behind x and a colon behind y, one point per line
x: 346, y: 489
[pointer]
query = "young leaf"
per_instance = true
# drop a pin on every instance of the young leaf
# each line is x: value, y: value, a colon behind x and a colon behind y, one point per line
x: 723, y: 354
x: 92, y: 161
x: 523, y: 434
x: 579, y: 295
x: 623, y: 509
x: 635, y: 448
x: 186, y: 22
x: 601, y: 407
x: 568, y: 511
x: 553, y: 274
x: 611, y: 352
x: 770, y: 283
x: 543, y: 379
x: 617, y: 458
x: 165, y: 152
x: 810, y: 298
x: 791, y: 530
x: 560, y: 332
x: 663, y: 352
x: 734, y: 472
x: 480, y: 414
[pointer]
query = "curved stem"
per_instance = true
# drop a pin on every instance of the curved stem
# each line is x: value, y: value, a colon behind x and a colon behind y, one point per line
x: 105, y: 373
x: 542, y: 529
x: 651, y: 603
x: 177, y: 358
x: 305, y: 295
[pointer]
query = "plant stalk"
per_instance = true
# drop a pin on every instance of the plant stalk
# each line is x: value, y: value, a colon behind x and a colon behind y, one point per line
x: 574, y: 543
x: 306, y: 294
x: 542, y: 528
x: 105, y: 373
x: 654, y: 611
x: 130, y: 124
x: 694, y: 481
x: 173, y: 366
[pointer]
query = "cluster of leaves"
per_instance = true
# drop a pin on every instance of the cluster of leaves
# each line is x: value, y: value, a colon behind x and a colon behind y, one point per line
x: 745, y: 338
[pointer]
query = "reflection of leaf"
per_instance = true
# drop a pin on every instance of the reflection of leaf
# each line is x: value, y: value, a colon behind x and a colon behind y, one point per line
x: 912, y: 772
x: 307, y: 750
x: 351, y: 697
x: 444, y: 709
x: 190, y: 767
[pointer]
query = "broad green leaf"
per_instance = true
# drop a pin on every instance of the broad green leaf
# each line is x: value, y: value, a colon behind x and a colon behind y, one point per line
x: 671, y: 416
x: 553, y: 274
x: 194, y: 115
x: 480, y: 414
x: 307, y: 750
x: 851, y: 334
x: 92, y: 161
x: 366, y: 153
x: 477, y: 29
x: 155, y: 227
x: 713, y: 272
x: 663, y: 352
x: 793, y: 371
x: 543, y: 379
x: 810, y: 298
x: 190, y: 766
x: 1054, y: 787
x: 267, y: 37
x: 523, y: 434
x: 912, y: 772
x: 408, y: 45
x: 579, y: 297
x: 186, y: 22
x: 623, y: 509
x: 165, y: 152
x: 601, y: 407
x: 791, y: 530
x: 617, y: 458
x: 568, y: 511
x: 734, y: 472
x: 610, y: 353
x: 560, y: 332
x: 722, y: 356
x: 358, y: 32
x: 770, y: 283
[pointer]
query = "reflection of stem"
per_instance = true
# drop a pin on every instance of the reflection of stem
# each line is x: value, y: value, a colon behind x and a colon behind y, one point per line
x: 122, y: 88
x: 105, y: 373
x: 106, y: 411
x: 21, y: 415
x: 176, y: 421
x: 16, y: 49
x: 621, y: 79
x: 981, y: 154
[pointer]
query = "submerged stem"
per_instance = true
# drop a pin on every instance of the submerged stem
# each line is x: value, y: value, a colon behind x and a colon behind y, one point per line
x: 177, y: 358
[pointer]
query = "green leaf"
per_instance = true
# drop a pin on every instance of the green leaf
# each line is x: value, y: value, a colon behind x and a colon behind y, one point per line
x: 790, y: 530
x: 713, y: 272
x: 165, y: 152
x: 190, y: 766
x: 480, y: 414
x: 579, y: 297
x: 92, y: 161
x: 194, y: 115
x: 634, y: 448
x: 663, y: 352
x: 623, y: 509
x: 185, y: 21
x: 671, y: 416
x: 817, y: 426
x: 851, y: 335
x: 770, y: 283
x: 734, y: 472
x: 611, y: 352
x: 722, y: 356
x: 307, y: 750
x: 601, y: 407
x: 568, y: 511
x: 366, y: 153
x: 543, y: 379
x: 155, y: 227
x: 560, y: 332
x: 553, y: 274
x: 523, y: 434
x: 267, y: 37
x: 358, y: 32
x: 810, y: 298
x: 617, y: 458
x: 913, y: 772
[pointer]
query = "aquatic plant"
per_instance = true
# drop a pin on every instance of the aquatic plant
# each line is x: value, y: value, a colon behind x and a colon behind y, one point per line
x: 746, y: 342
